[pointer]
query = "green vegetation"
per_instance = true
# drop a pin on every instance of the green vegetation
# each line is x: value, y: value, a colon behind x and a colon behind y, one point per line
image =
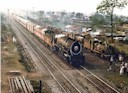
x: 45, y: 88
x: 46, y: 21
x: 120, y: 82
x: 25, y: 60
x: 8, y: 54
x: 79, y: 15
x: 9, y: 57
x: 97, y: 21
x: 9, y: 50
x: 122, y: 48
x: 11, y: 47
x: 108, y: 6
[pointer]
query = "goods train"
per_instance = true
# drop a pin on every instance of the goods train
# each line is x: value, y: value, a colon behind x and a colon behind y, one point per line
x: 69, y: 49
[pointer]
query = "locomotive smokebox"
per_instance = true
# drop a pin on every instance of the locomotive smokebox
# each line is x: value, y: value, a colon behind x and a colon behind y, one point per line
x: 76, y: 48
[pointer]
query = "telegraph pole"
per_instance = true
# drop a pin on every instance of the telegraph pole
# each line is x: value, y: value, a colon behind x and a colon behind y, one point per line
x: 33, y: 12
x: 27, y: 14
x: 8, y: 15
x: 19, y: 12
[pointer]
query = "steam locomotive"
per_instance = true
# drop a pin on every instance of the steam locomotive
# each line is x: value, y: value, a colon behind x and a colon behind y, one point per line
x: 69, y: 49
x: 96, y: 45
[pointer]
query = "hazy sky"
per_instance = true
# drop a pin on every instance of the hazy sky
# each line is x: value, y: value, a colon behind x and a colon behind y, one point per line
x: 85, y: 6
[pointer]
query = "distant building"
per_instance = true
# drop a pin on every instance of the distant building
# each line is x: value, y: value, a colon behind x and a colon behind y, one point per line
x: 73, y: 28
x: 94, y: 34
x: 86, y: 29
x: 83, y: 19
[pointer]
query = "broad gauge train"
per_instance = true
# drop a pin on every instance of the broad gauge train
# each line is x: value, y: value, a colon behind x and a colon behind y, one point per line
x: 71, y: 50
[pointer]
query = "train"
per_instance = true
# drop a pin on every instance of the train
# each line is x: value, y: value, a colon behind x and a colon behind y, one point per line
x: 98, y: 45
x: 49, y: 35
x: 69, y: 49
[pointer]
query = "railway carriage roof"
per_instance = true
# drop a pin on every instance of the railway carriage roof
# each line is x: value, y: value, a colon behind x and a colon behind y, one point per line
x: 24, y: 20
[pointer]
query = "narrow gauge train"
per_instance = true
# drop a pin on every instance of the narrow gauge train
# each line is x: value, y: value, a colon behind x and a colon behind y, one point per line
x: 69, y: 49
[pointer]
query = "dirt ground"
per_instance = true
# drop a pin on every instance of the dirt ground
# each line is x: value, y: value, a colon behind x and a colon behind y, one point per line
x: 10, y: 61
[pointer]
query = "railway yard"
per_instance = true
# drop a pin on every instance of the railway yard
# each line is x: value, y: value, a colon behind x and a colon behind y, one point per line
x: 30, y: 65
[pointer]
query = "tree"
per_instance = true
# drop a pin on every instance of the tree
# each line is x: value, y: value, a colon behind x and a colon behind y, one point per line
x: 3, y: 18
x: 63, y: 13
x: 79, y: 15
x: 108, y: 6
x: 97, y: 20
x: 72, y: 14
x: 41, y: 13
x: 118, y: 20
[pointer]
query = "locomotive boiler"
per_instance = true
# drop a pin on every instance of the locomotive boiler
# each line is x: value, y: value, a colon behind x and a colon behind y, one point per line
x: 74, y: 36
x: 69, y: 49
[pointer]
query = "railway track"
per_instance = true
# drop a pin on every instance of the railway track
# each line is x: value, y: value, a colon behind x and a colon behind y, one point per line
x: 63, y: 81
x: 100, y: 84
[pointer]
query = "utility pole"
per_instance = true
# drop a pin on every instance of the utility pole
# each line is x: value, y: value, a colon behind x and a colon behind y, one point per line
x: 19, y: 12
x: 27, y: 14
x: 33, y: 12
x: 8, y: 15
x: 40, y: 86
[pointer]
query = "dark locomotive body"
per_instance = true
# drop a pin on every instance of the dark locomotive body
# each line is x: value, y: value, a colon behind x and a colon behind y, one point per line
x: 70, y: 50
